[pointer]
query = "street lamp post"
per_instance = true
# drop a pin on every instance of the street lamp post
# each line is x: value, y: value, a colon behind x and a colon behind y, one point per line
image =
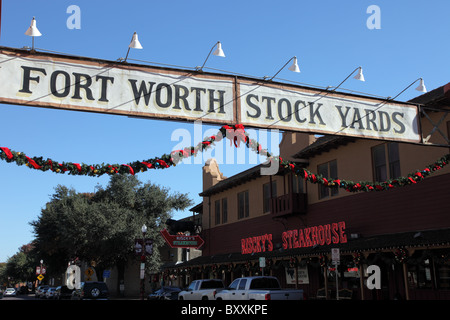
x: 142, y: 272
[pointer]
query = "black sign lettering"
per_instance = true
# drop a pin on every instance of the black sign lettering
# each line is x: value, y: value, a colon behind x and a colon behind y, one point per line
x: 298, y: 109
x: 212, y: 100
x: 66, y: 87
x: 27, y: 78
x: 269, y: 106
x: 181, y: 97
x: 398, y: 122
x: 82, y: 81
x: 254, y: 106
x: 142, y: 91
x: 313, y: 113
x: 104, y: 85
x: 198, y: 97
x: 159, y: 90
x: 287, y: 103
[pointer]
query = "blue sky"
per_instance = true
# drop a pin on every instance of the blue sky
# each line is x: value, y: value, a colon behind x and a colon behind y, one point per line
x: 330, y: 39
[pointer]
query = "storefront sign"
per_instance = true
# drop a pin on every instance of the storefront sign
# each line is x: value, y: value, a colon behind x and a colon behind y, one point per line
x: 84, y: 84
x: 182, y: 241
x: 318, y: 235
x: 257, y: 244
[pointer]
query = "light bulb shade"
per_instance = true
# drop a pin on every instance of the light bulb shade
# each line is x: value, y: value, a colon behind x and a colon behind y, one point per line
x: 135, y: 44
x: 219, y: 52
x: 294, y: 67
x: 421, y: 86
x: 33, y: 30
x: 360, y: 75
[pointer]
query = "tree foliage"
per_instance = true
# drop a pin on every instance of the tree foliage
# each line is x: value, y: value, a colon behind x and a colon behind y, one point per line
x: 101, y: 227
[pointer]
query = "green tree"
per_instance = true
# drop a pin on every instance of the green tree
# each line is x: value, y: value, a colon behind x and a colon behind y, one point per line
x: 101, y: 227
x: 20, y: 267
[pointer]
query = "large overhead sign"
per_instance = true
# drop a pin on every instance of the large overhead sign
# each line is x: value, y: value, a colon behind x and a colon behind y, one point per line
x: 300, y: 109
x: 84, y: 84
x: 112, y: 87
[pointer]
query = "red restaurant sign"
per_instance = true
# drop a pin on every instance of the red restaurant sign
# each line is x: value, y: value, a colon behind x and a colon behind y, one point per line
x: 182, y: 241
x: 326, y: 234
x: 257, y: 244
x: 318, y: 235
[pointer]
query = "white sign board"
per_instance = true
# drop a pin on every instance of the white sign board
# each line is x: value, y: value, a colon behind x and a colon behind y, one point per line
x: 335, y: 255
x: 84, y: 84
x: 290, y: 108
x: 262, y: 262
x: 302, y: 275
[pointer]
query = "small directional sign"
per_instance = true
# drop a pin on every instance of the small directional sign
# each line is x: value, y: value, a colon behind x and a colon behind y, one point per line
x: 182, y: 241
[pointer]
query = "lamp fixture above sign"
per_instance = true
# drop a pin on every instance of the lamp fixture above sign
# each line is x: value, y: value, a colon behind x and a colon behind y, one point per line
x: 135, y: 44
x: 218, y: 52
x: 359, y: 77
x: 421, y: 87
x: 294, y: 67
x: 33, y: 31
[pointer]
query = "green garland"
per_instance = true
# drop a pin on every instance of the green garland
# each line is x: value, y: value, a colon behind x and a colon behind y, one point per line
x: 236, y: 133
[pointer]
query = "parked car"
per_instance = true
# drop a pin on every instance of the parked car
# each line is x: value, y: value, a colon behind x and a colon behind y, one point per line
x: 165, y: 293
x: 50, y: 294
x: 9, y: 292
x: 40, y: 291
x: 258, y: 288
x: 91, y: 290
x: 202, y: 290
x: 63, y: 292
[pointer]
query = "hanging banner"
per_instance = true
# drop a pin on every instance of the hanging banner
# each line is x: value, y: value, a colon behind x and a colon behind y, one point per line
x: 85, y: 84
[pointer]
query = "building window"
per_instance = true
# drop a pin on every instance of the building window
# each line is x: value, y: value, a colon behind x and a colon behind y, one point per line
x: 224, y: 210
x: 217, y: 211
x: 386, y: 161
x: 243, y: 205
x: 329, y: 171
x: 266, y: 195
x: 298, y: 185
x: 221, y: 206
x: 420, y: 276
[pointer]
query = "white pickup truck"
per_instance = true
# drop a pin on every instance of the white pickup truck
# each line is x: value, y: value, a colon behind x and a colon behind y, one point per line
x: 258, y: 288
x: 202, y: 290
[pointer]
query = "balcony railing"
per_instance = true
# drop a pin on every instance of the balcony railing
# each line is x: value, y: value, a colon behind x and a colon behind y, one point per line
x: 291, y: 203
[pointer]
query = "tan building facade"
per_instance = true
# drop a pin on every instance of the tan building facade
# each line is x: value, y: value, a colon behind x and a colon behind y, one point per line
x: 292, y: 223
